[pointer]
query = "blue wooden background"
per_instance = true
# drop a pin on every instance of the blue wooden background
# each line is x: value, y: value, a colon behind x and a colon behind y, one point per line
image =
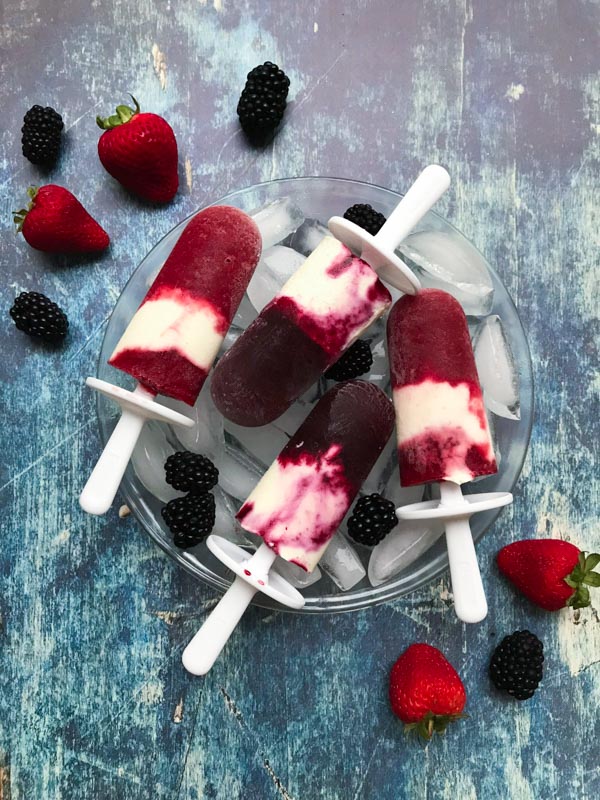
x: 93, y: 618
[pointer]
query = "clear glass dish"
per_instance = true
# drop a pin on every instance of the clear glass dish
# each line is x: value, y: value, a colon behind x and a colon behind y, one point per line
x: 321, y: 198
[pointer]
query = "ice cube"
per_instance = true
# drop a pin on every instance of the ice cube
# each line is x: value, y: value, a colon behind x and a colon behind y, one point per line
x: 297, y: 576
x: 148, y: 459
x: 278, y: 220
x: 341, y: 562
x: 377, y: 478
x: 496, y: 368
x: 262, y: 288
x: 447, y: 261
x: 308, y: 236
x: 380, y: 370
x: 282, y: 262
x: 231, y: 337
x: 401, y: 548
x: 226, y: 524
x: 402, y: 495
x: 264, y: 443
x: 206, y: 436
x: 290, y: 420
x: 277, y: 265
x: 236, y: 477
x: 245, y: 315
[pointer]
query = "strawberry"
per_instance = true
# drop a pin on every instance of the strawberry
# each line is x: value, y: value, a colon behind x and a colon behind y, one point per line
x: 551, y: 573
x: 426, y: 691
x: 140, y: 151
x: 56, y: 222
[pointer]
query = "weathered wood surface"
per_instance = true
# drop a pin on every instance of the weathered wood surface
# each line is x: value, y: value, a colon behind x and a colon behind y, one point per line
x: 94, y: 701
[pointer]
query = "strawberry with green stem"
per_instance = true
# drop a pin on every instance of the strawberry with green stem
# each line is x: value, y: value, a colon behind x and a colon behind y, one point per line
x: 551, y: 573
x: 140, y: 151
x: 56, y: 222
x: 426, y: 692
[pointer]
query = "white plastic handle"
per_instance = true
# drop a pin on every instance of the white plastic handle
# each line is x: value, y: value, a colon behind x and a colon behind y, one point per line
x: 102, y: 485
x: 467, y: 587
x: 422, y: 195
x: 204, y: 649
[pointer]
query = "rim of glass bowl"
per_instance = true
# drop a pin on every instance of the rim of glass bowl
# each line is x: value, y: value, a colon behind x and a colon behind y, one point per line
x: 365, y: 597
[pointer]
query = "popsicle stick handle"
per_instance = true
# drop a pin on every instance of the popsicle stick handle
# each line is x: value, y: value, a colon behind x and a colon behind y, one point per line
x: 102, y: 485
x: 204, y: 649
x: 422, y: 195
x: 467, y: 587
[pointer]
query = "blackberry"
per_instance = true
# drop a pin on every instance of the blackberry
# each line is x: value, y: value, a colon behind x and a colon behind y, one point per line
x: 357, y: 360
x: 42, y: 129
x: 372, y: 519
x: 190, y: 519
x: 190, y: 472
x: 517, y: 664
x: 365, y: 215
x: 263, y: 101
x: 38, y: 316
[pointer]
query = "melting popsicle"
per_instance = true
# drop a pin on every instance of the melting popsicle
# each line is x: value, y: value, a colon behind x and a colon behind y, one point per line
x: 321, y: 310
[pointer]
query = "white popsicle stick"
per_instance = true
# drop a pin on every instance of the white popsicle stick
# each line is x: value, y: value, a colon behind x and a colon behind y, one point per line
x: 470, y: 603
x: 138, y: 406
x: 378, y: 250
x: 254, y: 574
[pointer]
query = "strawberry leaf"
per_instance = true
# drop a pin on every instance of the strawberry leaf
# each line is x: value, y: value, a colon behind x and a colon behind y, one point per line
x: 592, y: 579
x: 591, y: 561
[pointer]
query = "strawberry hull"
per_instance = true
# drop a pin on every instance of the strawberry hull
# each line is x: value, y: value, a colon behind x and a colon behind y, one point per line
x: 171, y: 342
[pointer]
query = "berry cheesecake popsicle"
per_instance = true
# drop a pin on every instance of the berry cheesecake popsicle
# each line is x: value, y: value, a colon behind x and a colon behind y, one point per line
x: 297, y: 506
x: 442, y: 428
x: 170, y: 344
x: 441, y: 424
x: 172, y: 340
x: 321, y: 310
x: 302, y: 498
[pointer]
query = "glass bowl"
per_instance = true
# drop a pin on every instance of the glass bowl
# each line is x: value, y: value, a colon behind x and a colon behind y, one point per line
x: 319, y: 199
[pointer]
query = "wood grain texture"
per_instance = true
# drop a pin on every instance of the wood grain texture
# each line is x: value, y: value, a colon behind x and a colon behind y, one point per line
x: 93, y: 618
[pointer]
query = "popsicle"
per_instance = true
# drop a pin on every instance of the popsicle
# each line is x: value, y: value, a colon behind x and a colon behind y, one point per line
x: 171, y: 342
x: 298, y: 505
x: 442, y: 429
x: 441, y: 423
x: 320, y: 311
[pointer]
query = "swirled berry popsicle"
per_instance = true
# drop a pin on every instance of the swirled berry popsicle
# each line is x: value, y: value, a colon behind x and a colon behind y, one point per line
x: 321, y: 310
x: 302, y: 498
x: 171, y: 342
x: 441, y: 424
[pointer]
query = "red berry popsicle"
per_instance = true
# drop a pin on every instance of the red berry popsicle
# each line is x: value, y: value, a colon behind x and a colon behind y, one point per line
x: 297, y: 506
x: 441, y: 424
x: 442, y: 429
x: 322, y: 309
x: 171, y: 342
x: 302, y: 498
